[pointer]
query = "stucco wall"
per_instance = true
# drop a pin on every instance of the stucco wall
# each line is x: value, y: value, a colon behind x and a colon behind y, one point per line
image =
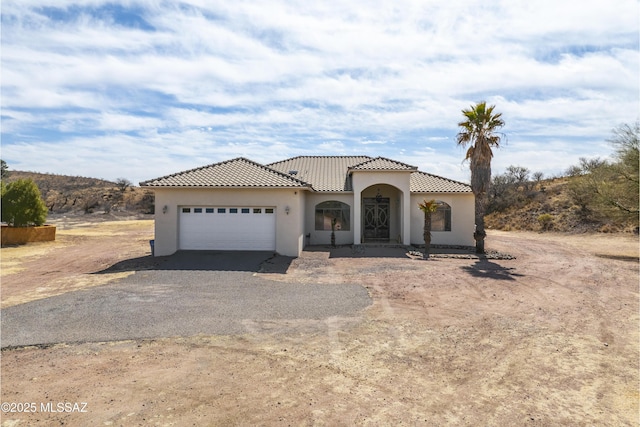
x: 395, y: 208
x: 289, y: 228
x: 462, y: 219
x: 323, y: 237
x: 362, y: 180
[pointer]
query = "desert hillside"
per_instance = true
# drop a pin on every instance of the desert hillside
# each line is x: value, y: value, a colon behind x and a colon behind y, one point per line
x: 76, y: 194
x: 550, y: 205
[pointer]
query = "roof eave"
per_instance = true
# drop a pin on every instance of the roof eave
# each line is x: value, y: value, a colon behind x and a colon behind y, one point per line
x: 382, y: 170
x: 220, y: 187
x: 441, y: 192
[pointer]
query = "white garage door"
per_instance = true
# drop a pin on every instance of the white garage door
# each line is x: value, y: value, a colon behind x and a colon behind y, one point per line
x: 227, y: 228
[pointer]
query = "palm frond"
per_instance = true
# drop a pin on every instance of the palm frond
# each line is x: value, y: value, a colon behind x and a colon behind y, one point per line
x: 469, y: 154
x: 480, y: 127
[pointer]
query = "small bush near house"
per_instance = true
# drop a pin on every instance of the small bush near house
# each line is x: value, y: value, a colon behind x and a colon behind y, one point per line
x: 22, y: 205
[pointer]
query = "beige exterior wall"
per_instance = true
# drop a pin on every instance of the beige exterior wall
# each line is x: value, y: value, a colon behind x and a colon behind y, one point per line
x: 395, y: 208
x: 400, y: 180
x: 462, y: 219
x: 289, y: 228
x: 323, y: 237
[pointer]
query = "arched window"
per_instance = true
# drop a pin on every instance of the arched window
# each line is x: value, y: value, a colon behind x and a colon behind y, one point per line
x: 441, y: 218
x: 328, y: 212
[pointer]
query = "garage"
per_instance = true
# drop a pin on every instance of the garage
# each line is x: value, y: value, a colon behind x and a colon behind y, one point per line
x: 227, y: 228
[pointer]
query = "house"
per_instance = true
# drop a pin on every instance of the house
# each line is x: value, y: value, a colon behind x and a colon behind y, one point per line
x: 284, y: 206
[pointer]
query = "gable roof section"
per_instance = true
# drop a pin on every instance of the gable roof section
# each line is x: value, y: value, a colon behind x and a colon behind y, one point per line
x: 239, y: 172
x: 324, y: 173
x: 422, y: 182
x: 332, y: 173
x: 320, y: 173
x: 382, y: 163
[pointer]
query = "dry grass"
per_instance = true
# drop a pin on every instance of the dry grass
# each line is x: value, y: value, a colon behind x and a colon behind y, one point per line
x: 620, y: 246
x: 551, y: 197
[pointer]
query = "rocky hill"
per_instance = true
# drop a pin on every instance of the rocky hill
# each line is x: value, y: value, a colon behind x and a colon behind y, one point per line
x: 75, y: 194
x: 549, y: 205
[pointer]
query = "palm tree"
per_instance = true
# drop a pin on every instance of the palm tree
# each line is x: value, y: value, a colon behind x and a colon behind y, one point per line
x: 334, y: 220
x: 479, y: 132
x: 428, y: 207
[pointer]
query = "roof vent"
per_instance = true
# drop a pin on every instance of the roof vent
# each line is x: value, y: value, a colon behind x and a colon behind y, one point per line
x: 293, y: 172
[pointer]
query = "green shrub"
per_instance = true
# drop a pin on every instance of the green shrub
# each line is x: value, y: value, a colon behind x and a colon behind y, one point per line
x: 545, y: 220
x: 22, y: 204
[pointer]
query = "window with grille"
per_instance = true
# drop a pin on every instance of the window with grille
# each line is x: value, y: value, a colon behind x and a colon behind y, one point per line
x: 333, y: 212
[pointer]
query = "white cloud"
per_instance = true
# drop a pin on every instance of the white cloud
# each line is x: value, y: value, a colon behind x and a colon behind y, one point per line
x: 269, y: 80
x: 123, y: 122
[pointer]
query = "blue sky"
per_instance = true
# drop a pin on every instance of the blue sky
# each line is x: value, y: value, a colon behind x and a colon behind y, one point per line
x: 141, y: 89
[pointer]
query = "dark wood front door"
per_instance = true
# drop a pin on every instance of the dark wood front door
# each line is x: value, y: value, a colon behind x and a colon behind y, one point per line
x: 376, y: 218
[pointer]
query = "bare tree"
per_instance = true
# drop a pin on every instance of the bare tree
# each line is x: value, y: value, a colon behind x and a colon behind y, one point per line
x: 122, y: 184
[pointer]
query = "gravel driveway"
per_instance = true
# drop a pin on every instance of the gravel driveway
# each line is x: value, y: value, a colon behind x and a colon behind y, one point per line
x: 190, y: 293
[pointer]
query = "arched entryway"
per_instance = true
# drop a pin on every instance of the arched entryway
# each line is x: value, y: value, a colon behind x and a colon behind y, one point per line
x: 381, y: 214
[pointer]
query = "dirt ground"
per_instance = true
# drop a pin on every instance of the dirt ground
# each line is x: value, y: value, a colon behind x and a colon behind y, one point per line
x: 550, y: 338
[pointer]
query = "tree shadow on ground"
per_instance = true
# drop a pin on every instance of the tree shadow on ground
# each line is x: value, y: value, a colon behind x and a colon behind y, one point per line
x: 619, y: 257
x: 484, y: 268
x: 255, y: 261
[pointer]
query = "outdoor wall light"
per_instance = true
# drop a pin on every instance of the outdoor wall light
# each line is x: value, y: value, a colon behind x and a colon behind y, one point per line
x: 378, y: 196
x: 287, y: 209
x: 165, y: 209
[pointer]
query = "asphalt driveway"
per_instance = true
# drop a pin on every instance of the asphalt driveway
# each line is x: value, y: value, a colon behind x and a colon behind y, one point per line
x: 190, y: 293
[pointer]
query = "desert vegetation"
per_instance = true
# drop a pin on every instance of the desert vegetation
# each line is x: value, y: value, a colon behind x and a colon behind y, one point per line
x: 594, y: 195
x: 75, y: 194
x: 22, y: 205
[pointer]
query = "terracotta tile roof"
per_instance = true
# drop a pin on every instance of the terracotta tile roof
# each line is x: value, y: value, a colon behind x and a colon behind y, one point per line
x: 320, y: 173
x: 422, y: 182
x: 382, y: 163
x: 239, y: 172
x: 324, y: 173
